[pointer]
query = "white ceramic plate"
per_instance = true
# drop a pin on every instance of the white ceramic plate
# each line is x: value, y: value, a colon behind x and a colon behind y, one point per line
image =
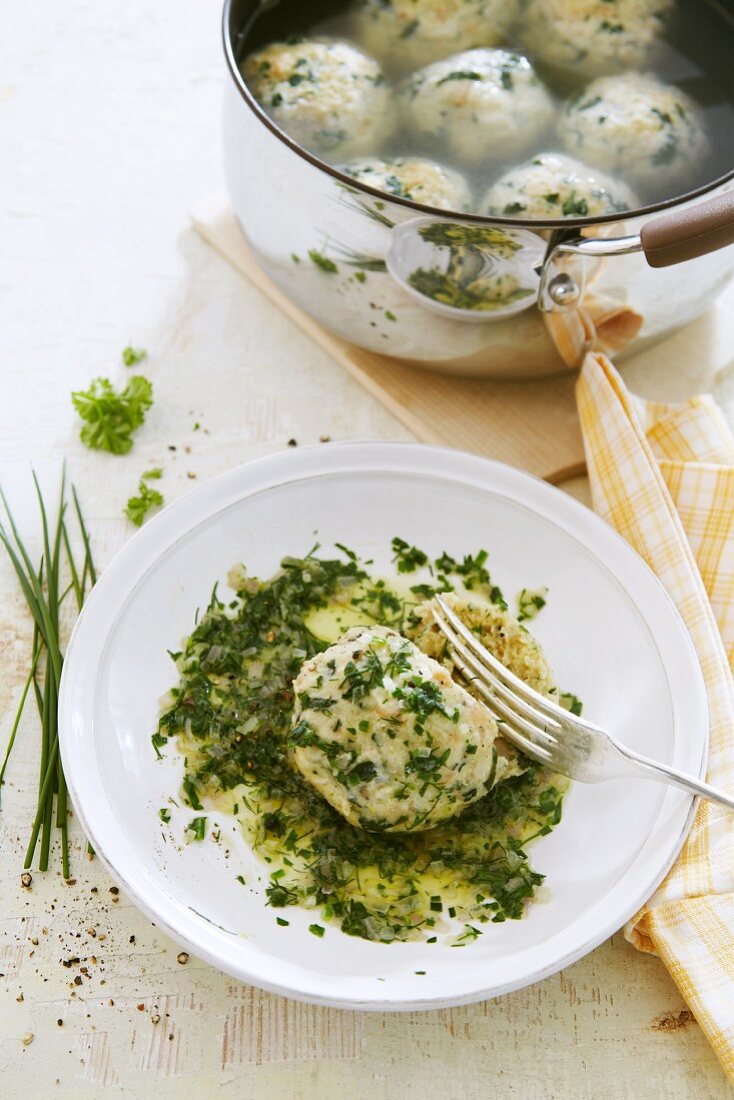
x: 612, y: 636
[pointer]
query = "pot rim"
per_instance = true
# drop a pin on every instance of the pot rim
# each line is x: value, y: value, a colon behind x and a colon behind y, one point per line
x: 420, y: 208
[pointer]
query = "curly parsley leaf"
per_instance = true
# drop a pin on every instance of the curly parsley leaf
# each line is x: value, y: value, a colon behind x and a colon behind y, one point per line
x: 132, y: 356
x: 110, y: 417
x: 138, y: 507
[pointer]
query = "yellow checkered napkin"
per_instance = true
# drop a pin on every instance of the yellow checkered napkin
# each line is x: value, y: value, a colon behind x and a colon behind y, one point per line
x: 664, y: 477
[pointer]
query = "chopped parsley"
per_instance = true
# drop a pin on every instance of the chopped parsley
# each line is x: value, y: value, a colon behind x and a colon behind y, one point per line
x: 196, y: 829
x: 230, y: 715
x: 406, y: 557
x: 459, y: 74
x: 159, y: 741
x: 322, y: 262
x: 574, y: 207
x: 360, y: 678
x: 529, y: 602
x: 667, y: 152
x: 571, y: 702
x: 582, y: 104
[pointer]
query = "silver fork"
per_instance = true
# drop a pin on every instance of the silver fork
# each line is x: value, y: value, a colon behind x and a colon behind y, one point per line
x: 546, y: 731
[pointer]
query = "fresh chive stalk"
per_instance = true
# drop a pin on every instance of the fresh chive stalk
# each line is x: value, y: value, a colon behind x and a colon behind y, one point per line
x: 45, y: 593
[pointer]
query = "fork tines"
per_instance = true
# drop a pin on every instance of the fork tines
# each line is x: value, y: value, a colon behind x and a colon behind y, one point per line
x: 526, y: 717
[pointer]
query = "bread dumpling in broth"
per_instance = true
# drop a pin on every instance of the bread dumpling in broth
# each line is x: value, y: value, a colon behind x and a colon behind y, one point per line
x: 593, y: 37
x: 414, y: 178
x: 327, y: 95
x: 478, y: 104
x: 553, y: 185
x: 635, y: 125
x: 409, y: 33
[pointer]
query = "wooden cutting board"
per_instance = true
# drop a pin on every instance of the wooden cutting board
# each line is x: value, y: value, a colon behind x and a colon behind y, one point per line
x: 532, y: 425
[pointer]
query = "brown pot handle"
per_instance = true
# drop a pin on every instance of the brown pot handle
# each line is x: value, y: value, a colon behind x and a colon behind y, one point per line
x: 687, y: 234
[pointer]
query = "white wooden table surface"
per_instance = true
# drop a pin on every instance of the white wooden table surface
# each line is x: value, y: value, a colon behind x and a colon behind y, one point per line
x: 109, y: 133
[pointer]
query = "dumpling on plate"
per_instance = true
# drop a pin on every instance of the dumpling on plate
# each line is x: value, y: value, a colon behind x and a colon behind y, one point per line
x: 553, y: 185
x: 498, y: 631
x: 409, y: 33
x: 327, y: 95
x: 502, y: 634
x: 593, y: 37
x: 636, y: 126
x: 414, y: 178
x: 387, y: 737
x: 478, y: 104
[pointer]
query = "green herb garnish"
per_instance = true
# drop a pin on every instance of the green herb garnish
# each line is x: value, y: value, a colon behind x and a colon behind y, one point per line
x: 407, y: 558
x: 322, y: 262
x: 574, y: 207
x: 132, y: 356
x: 138, y: 506
x: 231, y: 714
x: 45, y: 588
x: 529, y: 602
x: 571, y: 702
x: 460, y: 74
x: 196, y: 829
x: 110, y: 417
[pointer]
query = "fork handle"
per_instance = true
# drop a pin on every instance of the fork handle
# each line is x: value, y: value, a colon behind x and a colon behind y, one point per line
x: 663, y: 773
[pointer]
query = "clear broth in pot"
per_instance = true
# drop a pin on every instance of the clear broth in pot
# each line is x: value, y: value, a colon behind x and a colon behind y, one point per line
x: 607, y: 152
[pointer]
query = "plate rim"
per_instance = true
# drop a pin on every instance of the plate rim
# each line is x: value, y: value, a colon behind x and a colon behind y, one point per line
x: 205, y: 502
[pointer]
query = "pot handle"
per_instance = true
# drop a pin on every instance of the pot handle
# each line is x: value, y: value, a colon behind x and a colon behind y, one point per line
x: 672, y: 239
x: 690, y: 233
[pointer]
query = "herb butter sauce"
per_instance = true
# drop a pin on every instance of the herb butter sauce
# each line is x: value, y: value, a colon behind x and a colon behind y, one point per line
x: 231, y: 715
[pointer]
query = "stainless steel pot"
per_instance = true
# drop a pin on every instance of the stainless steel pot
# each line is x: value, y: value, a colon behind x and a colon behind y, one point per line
x: 346, y: 253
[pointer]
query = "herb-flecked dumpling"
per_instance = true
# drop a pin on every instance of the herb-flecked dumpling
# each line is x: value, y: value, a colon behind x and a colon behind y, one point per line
x: 636, y: 126
x: 552, y: 186
x: 387, y: 737
x: 328, y: 95
x: 593, y: 37
x: 415, y: 178
x: 480, y: 105
x: 496, y: 628
x: 409, y: 33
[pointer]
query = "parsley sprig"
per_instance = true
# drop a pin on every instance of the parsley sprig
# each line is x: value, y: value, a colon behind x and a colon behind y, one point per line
x: 110, y: 417
x: 138, y: 506
x: 132, y: 356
